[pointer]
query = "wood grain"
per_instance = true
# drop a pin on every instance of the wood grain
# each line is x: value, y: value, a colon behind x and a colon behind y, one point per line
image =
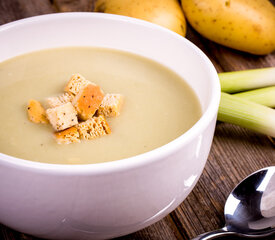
x: 11, y: 10
x: 235, y: 153
x: 73, y: 5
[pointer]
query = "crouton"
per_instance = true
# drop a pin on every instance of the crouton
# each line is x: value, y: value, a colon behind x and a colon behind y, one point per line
x: 87, y: 101
x: 70, y: 135
x: 111, y: 105
x: 75, y: 83
x: 36, y: 112
x: 62, y: 117
x: 93, y: 128
x: 59, y: 100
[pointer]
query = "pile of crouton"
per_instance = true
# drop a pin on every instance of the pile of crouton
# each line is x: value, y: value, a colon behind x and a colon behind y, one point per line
x: 79, y: 113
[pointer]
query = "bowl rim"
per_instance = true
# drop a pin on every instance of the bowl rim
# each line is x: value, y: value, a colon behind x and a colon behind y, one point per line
x: 139, y: 160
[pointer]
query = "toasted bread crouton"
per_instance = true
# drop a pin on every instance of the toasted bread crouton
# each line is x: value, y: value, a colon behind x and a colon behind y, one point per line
x: 62, y: 117
x: 70, y: 135
x: 111, y: 105
x: 75, y: 83
x: 87, y: 101
x: 93, y: 128
x: 59, y: 100
x: 36, y: 112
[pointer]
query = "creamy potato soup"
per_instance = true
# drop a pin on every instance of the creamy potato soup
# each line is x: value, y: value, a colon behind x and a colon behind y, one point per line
x: 158, y: 106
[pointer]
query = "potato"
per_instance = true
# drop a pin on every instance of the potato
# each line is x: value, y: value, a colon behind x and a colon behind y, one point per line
x: 167, y: 13
x: 246, y: 25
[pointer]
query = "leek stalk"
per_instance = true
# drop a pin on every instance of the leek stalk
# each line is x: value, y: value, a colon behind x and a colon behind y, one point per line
x: 232, y: 82
x: 264, y: 96
x: 247, y: 114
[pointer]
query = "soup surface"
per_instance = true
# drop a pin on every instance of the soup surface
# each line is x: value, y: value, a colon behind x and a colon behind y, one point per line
x: 158, y: 107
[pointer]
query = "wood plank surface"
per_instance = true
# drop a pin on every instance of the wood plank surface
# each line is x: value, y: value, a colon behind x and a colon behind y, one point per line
x: 235, y: 153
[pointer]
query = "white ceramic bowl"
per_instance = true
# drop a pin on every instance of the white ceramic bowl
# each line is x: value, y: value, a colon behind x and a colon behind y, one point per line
x: 106, y: 200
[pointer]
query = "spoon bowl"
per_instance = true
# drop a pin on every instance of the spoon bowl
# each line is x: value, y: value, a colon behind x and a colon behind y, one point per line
x: 250, y: 208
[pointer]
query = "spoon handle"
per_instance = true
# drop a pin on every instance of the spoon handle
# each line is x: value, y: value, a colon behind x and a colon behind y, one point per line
x: 213, y: 234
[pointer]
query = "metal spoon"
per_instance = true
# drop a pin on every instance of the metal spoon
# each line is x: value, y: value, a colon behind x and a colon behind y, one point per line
x: 250, y: 208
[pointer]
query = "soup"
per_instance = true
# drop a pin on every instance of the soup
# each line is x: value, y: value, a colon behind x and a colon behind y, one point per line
x: 159, y: 106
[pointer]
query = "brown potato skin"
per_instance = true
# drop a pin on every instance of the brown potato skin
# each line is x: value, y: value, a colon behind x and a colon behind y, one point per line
x: 167, y: 13
x: 245, y: 25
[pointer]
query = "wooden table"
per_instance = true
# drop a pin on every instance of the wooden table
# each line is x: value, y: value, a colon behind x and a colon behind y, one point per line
x: 235, y: 153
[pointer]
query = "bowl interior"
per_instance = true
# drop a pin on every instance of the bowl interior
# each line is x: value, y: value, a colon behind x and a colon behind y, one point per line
x: 117, y: 32
x: 121, y: 33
